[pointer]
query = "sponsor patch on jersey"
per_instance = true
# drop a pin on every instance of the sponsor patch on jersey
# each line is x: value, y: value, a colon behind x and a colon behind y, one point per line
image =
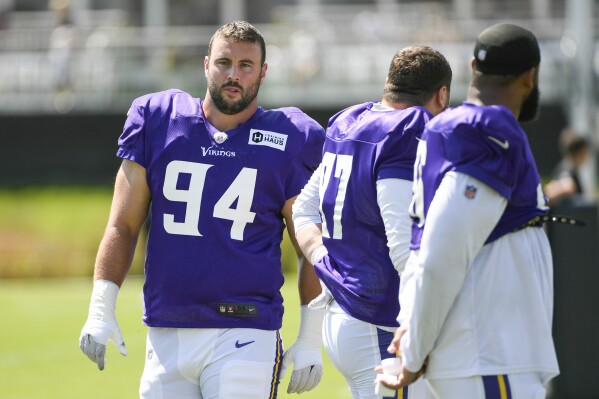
x: 269, y: 139
x: 470, y: 191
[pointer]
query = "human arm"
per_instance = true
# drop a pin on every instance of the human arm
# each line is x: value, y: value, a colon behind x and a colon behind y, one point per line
x: 128, y: 213
x: 559, y: 188
x: 305, y: 353
x: 393, y: 197
x: 445, y: 256
x: 406, y: 377
x: 307, y: 220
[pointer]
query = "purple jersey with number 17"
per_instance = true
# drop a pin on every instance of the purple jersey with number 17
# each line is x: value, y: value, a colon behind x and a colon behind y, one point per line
x: 216, y: 223
x: 485, y: 142
x: 364, y: 144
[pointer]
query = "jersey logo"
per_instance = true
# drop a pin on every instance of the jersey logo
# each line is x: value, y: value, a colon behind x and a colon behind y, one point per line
x: 502, y: 143
x: 470, y: 191
x: 241, y: 345
x: 215, y: 152
x: 220, y: 137
x: 268, y: 139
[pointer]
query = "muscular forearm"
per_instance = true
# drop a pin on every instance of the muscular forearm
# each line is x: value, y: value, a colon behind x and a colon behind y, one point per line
x: 115, y: 255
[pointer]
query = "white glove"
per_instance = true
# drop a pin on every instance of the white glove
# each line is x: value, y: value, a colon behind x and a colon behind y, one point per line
x: 101, y: 325
x: 305, y: 353
x: 323, y: 300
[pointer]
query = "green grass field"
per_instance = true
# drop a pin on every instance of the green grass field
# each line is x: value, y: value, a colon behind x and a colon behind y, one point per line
x: 50, y: 236
x: 39, y: 350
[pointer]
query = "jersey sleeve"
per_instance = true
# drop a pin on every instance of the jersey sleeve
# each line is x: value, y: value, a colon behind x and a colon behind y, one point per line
x: 310, y: 155
x: 312, y: 151
x: 398, y: 150
x: 131, y: 140
x: 488, y: 154
x: 393, y: 198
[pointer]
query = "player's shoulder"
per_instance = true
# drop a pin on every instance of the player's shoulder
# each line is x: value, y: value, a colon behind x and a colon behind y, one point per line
x: 490, y: 126
x: 472, y: 116
x: 288, y: 120
x: 414, y: 117
x: 350, y: 114
x: 174, y: 102
x: 294, y: 114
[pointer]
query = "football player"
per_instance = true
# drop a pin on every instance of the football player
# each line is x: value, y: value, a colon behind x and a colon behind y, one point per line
x: 359, y: 197
x: 219, y: 177
x: 477, y: 297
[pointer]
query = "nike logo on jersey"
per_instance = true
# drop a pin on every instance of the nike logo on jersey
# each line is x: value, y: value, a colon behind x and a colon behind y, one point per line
x: 241, y: 345
x: 502, y: 143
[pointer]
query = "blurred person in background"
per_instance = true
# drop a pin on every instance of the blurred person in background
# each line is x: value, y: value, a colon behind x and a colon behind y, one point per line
x: 477, y: 297
x: 565, y: 183
x: 219, y: 177
x: 60, y: 54
x: 359, y: 198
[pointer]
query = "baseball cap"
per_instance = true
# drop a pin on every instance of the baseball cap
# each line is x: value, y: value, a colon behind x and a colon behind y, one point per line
x: 506, y: 49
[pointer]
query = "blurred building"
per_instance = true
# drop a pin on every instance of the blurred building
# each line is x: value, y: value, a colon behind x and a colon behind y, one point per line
x: 321, y: 53
x: 88, y: 59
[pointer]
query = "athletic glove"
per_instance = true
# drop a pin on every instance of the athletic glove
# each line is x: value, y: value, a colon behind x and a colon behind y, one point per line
x: 305, y: 353
x: 101, y: 325
x: 323, y: 300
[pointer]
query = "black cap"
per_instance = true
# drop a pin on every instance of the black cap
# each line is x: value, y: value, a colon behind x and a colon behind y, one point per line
x: 506, y: 49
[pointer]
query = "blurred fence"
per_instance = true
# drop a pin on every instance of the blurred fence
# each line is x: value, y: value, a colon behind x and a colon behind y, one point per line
x: 313, y: 62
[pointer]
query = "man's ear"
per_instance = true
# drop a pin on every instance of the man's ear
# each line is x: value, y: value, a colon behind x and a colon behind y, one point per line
x: 442, y: 97
x: 529, y: 77
x: 263, y: 72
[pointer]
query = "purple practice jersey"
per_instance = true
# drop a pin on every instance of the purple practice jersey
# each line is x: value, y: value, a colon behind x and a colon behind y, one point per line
x: 487, y: 143
x: 213, y: 252
x: 364, y: 145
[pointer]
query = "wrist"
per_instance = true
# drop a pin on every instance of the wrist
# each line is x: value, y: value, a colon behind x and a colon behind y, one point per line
x: 103, y: 300
x: 318, y: 254
x: 310, y: 330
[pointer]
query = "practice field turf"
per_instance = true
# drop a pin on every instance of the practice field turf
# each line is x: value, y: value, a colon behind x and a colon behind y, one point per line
x: 40, y: 322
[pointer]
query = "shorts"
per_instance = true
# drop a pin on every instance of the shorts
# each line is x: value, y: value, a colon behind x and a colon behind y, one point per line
x: 356, y: 348
x: 511, y: 386
x: 208, y: 363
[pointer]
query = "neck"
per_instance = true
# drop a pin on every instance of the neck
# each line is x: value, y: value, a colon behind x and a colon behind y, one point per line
x: 494, y: 96
x: 224, y: 122
x: 399, y: 105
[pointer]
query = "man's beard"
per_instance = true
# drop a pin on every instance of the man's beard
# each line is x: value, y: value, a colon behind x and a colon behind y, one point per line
x: 247, y: 96
x: 530, y: 108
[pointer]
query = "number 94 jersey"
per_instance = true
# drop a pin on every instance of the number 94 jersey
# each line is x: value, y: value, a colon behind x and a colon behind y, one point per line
x: 216, y: 222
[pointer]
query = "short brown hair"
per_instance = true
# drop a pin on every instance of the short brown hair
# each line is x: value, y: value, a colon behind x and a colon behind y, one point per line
x: 415, y: 75
x: 240, y: 31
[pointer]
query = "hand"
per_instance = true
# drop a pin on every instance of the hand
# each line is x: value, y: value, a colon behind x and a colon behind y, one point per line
x: 307, y: 371
x: 405, y: 377
x: 305, y: 353
x: 323, y: 300
x: 101, y: 325
x: 394, y: 346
